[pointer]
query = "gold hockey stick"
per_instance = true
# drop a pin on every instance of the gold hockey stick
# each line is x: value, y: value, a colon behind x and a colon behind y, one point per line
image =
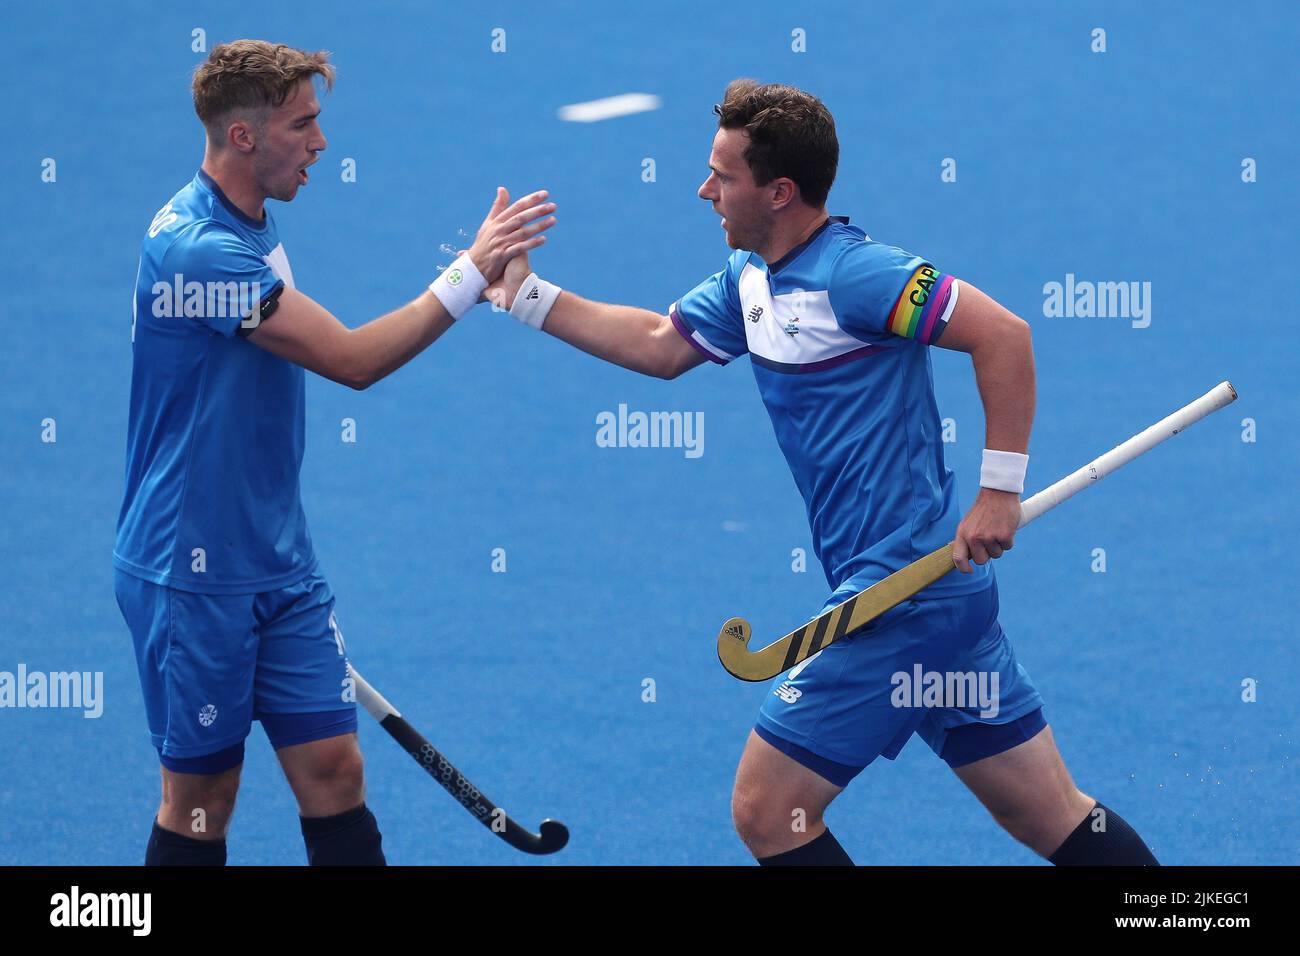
x: 865, y: 606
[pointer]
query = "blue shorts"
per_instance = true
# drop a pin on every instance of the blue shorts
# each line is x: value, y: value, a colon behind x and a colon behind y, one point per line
x: 211, y: 664
x: 943, y: 669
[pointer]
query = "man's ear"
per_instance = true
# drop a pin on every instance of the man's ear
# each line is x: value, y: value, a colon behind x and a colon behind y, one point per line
x: 784, y: 192
x: 241, y: 136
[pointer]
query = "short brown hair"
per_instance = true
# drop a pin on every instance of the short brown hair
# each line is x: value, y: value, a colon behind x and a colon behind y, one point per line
x: 791, y: 134
x: 252, y: 74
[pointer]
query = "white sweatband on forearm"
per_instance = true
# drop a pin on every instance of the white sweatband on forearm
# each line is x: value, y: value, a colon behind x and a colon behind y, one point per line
x: 533, y: 301
x: 1004, y: 470
x: 459, y: 287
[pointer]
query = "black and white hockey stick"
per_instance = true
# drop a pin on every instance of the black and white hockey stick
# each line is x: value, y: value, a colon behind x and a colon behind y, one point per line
x: 554, y: 834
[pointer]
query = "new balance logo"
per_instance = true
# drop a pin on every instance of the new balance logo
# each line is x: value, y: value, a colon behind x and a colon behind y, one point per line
x: 755, y: 313
x: 788, y: 692
x: 533, y: 294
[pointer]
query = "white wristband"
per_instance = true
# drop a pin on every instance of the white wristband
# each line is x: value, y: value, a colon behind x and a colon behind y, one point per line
x: 1004, y: 470
x: 533, y: 301
x: 459, y: 287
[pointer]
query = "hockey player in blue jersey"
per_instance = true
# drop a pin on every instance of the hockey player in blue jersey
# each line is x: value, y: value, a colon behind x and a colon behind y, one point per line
x: 231, y: 616
x: 837, y: 327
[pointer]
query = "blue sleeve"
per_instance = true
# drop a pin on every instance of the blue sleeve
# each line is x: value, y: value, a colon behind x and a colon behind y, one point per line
x: 709, y: 317
x: 876, y: 289
x: 222, y: 277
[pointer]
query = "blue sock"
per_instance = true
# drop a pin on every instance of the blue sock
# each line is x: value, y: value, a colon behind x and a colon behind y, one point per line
x: 175, y: 849
x: 350, y: 838
x: 1116, y: 845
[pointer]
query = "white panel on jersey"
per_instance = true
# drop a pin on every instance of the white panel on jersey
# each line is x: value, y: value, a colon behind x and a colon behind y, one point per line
x: 279, y: 263
x: 794, y: 328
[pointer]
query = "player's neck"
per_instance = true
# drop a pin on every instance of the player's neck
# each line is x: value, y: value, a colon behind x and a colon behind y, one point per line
x: 789, y: 235
x: 239, y: 188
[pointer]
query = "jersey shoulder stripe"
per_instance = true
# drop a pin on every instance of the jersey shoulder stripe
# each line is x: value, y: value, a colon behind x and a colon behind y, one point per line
x: 696, y: 340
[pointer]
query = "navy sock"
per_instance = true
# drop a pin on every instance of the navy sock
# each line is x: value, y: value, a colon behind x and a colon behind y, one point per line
x: 175, y: 849
x: 823, y: 851
x: 350, y: 838
x: 1116, y: 845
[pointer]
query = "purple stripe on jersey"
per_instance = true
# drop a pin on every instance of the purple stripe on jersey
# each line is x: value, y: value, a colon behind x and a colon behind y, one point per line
x: 686, y: 332
x: 938, y: 305
x: 821, y: 366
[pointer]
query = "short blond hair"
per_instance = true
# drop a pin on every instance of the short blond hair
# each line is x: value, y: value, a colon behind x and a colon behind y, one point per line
x: 252, y: 75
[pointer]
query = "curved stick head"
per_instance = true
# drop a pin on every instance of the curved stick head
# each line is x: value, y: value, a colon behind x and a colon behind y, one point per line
x: 735, y: 631
x: 739, y: 660
x: 555, y: 835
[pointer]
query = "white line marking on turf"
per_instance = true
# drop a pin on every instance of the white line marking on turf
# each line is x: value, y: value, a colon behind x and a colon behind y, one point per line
x: 625, y: 104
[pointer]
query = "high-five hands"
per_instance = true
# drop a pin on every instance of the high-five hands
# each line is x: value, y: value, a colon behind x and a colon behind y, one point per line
x: 501, y: 293
x: 511, y: 231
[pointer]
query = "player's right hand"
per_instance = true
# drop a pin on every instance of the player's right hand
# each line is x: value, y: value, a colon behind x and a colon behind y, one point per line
x: 510, y: 231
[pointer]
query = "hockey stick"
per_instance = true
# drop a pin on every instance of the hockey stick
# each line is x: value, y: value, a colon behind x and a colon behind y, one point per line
x: 863, y: 607
x: 554, y: 834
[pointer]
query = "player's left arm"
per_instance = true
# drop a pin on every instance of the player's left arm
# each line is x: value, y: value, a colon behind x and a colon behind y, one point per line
x: 1002, y: 352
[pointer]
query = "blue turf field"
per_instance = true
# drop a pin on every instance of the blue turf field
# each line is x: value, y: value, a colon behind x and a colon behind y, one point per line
x: 622, y: 563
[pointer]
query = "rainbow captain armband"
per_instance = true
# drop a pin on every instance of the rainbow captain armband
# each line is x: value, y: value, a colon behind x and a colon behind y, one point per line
x: 926, y: 304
